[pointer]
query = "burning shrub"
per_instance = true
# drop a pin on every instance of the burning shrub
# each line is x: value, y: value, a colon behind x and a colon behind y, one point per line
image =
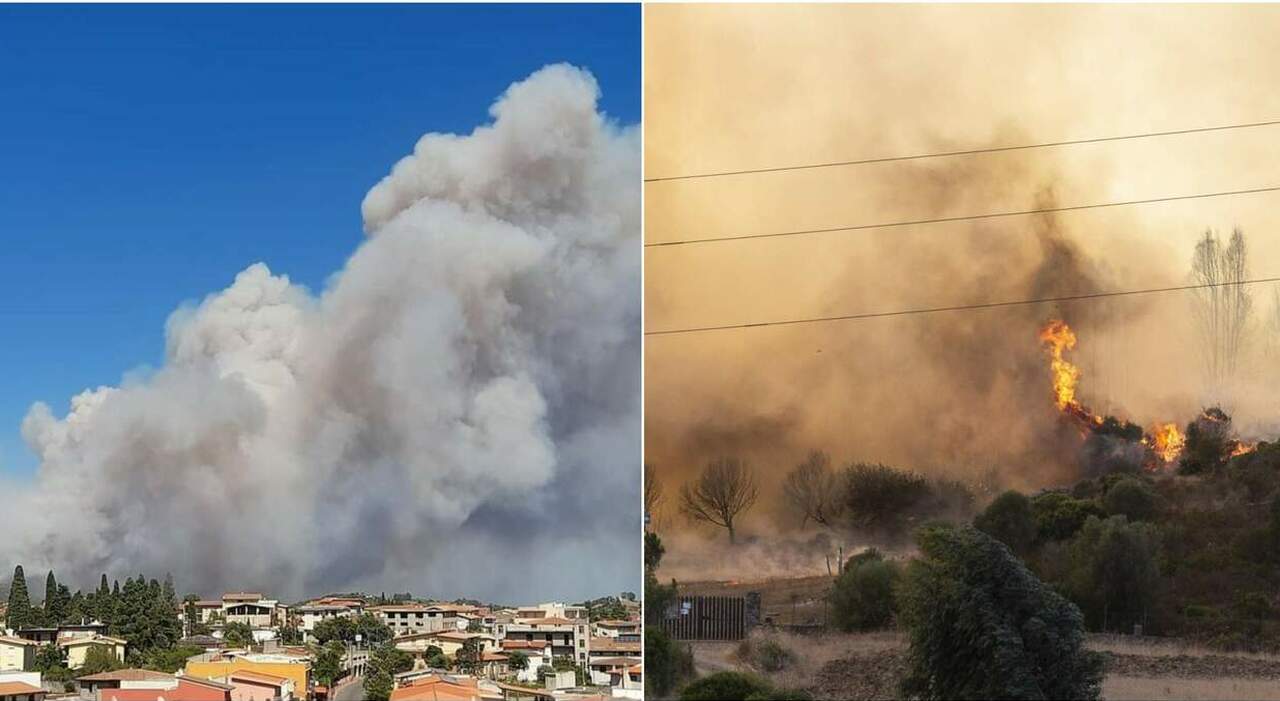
x: 1010, y: 520
x: 879, y: 497
x: 1209, y: 443
x: 1059, y: 515
x: 982, y: 626
x: 863, y: 597
x: 1130, y: 498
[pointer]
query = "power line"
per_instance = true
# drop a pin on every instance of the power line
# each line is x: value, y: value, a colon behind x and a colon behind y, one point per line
x: 968, y: 217
x: 966, y: 152
x: 960, y: 307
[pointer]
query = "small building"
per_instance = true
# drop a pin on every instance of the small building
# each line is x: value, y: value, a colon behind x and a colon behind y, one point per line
x: 21, y: 686
x: 17, y: 653
x: 257, y: 686
x: 144, y: 685
x: 78, y: 648
x: 20, y: 691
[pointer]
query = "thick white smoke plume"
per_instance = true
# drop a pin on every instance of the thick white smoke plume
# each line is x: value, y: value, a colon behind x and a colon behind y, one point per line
x: 457, y: 414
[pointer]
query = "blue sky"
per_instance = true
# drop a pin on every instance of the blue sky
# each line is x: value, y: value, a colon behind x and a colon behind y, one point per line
x: 149, y: 153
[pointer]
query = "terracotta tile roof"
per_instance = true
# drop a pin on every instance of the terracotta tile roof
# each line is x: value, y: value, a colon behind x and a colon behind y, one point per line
x: 258, y: 677
x: 10, y: 640
x: 612, y: 645
x: 15, y: 688
x: 92, y: 640
x: 518, y: 644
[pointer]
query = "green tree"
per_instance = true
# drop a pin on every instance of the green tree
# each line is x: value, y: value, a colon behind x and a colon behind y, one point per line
x: 20, y: 614
x: 517, y: 661
x: 1130, y: 498
x: 384, y: 663
x: 99, y: 659
x: 170, y: 660
x: 328, y: 662
x: 1059, y: 515
x: 727, y: 686
x: 668, y: 663
x: 48, y: 659
x: 371, y: 629
x: 878, y: 497
x: 1010, y: 520
x: 863, y: 595
x: 435, y: 657
x: 982, y: 626
x: 468, y: 659
x: 237, y: 634
x: 1114, y: 571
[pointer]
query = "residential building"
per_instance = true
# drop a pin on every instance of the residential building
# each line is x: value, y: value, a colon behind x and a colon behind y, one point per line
x: 568, y: 638
x: 21, y: 691
x: 257, y: 686
x: 16, y: 685
x: 220, y: 666
x: 620, y: 630
x: 251, y: 609
x: 538, y: 652
x: 208, y: 609
x: 449, y: 642
x: 17, y: 653
x: 553, y: 609
x: 447, y: 687
x: 77, y: 648
x: 412, y: 618
x: 614, y: 647
x: 90, y: 685
x: 309, y: 615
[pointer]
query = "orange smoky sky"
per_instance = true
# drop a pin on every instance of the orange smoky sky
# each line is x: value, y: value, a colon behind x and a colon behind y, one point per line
x: 730, y: 87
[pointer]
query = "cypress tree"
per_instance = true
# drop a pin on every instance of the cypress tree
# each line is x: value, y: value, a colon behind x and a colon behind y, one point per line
x: 20, y: 613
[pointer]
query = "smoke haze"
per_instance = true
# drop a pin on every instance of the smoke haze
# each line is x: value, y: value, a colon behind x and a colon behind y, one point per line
x: 955, y: 394
x: 457, y: 413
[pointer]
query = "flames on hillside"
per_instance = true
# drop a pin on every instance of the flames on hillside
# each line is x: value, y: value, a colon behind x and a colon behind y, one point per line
x: 1164, y: 440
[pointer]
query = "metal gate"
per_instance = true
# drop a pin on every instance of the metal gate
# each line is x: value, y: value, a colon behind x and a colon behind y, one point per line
x: 707, y: 618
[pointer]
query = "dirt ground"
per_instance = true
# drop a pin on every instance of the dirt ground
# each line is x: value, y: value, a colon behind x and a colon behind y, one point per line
x: 868, y: 666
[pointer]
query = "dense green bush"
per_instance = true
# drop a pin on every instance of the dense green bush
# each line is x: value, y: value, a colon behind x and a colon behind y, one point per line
x: 1010, y: 520
x: 726, y: 686
x: 879, y: 496
x: 1130, y: 498
x: 982, y: 626
x: 667, y: 663
x: 1115, y: 574
x: 1059, y: 515
x: 863, y: 596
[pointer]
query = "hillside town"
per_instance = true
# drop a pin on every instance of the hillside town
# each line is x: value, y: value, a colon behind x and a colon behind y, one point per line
x: 139, y: 642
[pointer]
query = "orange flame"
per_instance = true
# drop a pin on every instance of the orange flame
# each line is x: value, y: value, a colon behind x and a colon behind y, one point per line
x: 1167, y: 441
x: 1057, y: 338
x: 1242, y: 447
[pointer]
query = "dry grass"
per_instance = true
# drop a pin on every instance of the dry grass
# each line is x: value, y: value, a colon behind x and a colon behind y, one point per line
x: 814, y: 652
x: 1116, y: 688
x: 1161, y: 647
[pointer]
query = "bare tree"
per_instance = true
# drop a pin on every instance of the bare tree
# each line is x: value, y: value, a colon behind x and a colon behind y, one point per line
x: 652, y: 491
x: 725, y: 489
x: 1222, y: 308
x: 810, y: 487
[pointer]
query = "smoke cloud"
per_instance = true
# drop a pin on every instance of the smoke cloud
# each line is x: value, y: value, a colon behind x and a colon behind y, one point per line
x: 457, y: 413
x: 954, y: 394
